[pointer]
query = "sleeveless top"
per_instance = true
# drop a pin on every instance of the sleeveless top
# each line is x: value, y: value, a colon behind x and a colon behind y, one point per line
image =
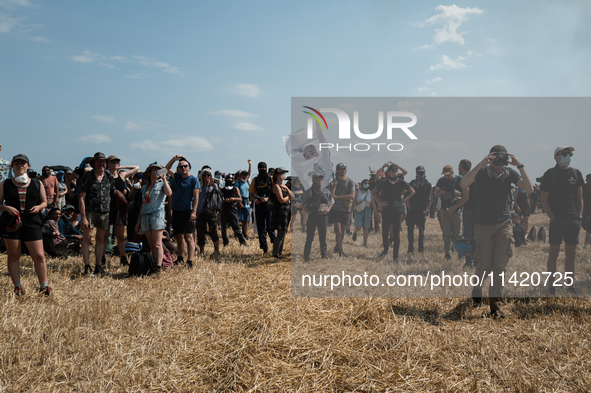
x: 120, y: 184
x: 11, y: 195
x: 361, y: 196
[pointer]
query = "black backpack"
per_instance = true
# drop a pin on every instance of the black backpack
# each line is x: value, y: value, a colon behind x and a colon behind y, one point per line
x: 141, y: 264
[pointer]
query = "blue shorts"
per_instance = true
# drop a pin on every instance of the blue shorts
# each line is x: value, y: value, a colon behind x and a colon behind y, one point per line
x: 244, y: 213
x: 564, y: 228
x: 363, y: 218
x: 152, y: 221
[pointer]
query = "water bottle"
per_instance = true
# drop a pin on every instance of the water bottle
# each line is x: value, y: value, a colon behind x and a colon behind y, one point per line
x: 162, y: 172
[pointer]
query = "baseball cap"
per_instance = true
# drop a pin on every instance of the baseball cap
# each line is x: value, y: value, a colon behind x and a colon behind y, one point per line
x: 498, y: 148
x: 69, y: 207
x: 420, y: 168
x: 21, y: 157
x: 316, y: 175
x: 281, y: 170
x: 560, y: 148
x: 341, y: 165
x: 447, y: 169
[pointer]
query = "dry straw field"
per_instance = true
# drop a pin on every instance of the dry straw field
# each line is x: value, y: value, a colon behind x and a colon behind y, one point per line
x: 232, y: 325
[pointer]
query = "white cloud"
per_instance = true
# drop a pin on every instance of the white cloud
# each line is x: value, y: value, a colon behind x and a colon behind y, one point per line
x: 447, y: 63
x: 96, y: 138
x: 40, y: 39
x: 142, y: 125
x: 9, y: 3
x: 93, y: 57
x: 423, y: 89
x: 434, y: 80
x: 191, y: 143
x: 104, y: 118
x: 247, y: 90
x: 7, y: 23
x: 427, y: 46
x: 452, y: 18
x: 247, y: 126
x: 233, y: 113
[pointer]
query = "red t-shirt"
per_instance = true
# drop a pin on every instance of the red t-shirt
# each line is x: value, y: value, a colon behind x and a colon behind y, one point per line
x: 50, y: 183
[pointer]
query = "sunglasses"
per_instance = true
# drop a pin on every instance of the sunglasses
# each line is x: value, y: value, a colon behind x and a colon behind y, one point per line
x: 566, y: 153
x: 115, y: 161
x: 182, y: 166
x: 206, y: 175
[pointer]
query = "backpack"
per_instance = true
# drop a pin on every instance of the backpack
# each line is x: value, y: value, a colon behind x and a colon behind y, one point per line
x: 141, y: 264
x: 213, y: 203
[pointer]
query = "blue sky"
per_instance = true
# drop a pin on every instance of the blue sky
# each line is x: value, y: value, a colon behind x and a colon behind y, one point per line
x: 145, y: 80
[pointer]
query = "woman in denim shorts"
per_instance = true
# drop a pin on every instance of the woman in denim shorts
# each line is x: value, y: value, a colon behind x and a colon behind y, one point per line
x: 151, y: 221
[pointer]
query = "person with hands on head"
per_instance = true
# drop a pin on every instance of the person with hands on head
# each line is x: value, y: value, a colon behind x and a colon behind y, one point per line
x: 118, y: 213
x: 184, y: 207
x: 342, y: 189
x: 562, y: 200
x: 281, y: 196
x: 151, y: 221
x: 390, y: 201
x: 96, y: 188
x: 316, y: 202
x: 492, y: 219
x: 24, y: 200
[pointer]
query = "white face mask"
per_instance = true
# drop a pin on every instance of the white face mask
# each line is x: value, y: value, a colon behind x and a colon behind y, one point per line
x: 22, y: 178
x: 137, y: 185
x: 284, y: 176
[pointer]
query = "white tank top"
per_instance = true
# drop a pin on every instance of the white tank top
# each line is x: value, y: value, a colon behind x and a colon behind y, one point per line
x: 361, y: 196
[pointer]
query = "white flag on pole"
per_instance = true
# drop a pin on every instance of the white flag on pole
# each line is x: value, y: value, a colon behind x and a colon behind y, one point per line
x: 306, y: 157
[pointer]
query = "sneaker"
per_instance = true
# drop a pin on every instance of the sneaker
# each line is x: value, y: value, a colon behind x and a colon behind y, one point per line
x: 476, y: 297
x: 572, y: 291
x: 447, y: 256
x: 225, y: 244
x: 383, y: 254
x: 179, y: 261
x: 156, y: 271
x: 88, y: 271
x: 246, y: 238
x: 190, y: 264
x: 47, y: 291
x: 354, y: 236
x: 19, y: 291
x: 497, y: 314
x: 123, y: 260
x: 216, y: 254
x: 100, y: 271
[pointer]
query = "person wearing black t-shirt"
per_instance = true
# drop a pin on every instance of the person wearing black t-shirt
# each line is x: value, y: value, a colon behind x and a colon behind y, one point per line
x: 492, y: 220
x: 467, y: 203
x: 390, y: 200
x: 418, y: 208
x: 449, y: 190
x: 229, y: 214
x: 562, y: 200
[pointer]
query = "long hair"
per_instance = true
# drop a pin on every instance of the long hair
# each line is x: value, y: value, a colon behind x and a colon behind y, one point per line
x: 274, y: 178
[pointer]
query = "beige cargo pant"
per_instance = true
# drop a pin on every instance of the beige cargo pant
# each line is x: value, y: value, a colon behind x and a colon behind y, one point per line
x: 494, y: 249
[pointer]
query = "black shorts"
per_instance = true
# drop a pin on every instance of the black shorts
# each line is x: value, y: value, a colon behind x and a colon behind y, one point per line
x: 564, y: 228
x: 30, y: 231
x: 181, y: 222
x: 338, y: 216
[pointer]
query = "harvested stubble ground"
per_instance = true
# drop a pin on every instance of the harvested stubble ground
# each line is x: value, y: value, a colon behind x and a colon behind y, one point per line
x: 232, y: 325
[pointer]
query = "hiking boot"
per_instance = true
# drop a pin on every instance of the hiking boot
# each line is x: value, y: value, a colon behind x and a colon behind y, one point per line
x: 179, y: 261
x: 225, y: 244
x: 88, y: 271
x: 354, y: 236
x: 47, y: 291
x: 19, y: 291
x: 476, y: 297
x: 100, y: 271
x: 497, y: 314
x: 123, y: 260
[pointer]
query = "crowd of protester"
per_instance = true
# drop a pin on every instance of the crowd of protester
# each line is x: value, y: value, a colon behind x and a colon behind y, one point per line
x: 59, y: 211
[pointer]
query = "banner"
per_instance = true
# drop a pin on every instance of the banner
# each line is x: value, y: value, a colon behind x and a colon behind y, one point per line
x: 305, y: 157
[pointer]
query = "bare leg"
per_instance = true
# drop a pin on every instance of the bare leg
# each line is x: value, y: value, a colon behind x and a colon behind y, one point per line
x: 338, y: 230
x: 155, y: 240
x: 552, y: 257
x: 365, y: 235
x: 569, y: 263
x: 86, y: 246
x: 180, y: 242
x: 190, y: 239
x: 13, y: 248
x: 120, y: 234
x: 101, y: 245
x: 38, y: 256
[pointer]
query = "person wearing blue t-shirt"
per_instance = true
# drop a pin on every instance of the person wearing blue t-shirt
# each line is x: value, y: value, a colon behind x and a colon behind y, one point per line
x: 184, y: 207
x: 492, y: 219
